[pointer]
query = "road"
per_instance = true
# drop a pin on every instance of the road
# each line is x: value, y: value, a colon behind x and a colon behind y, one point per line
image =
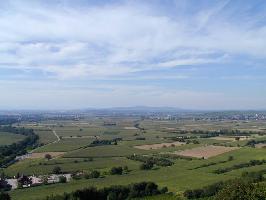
x: 58, y: 138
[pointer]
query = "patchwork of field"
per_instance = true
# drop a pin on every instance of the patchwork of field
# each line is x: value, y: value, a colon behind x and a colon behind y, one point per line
x: 46, y: 136
x: 206, y: 151
x: 190, y: 125
x: 156, y: 138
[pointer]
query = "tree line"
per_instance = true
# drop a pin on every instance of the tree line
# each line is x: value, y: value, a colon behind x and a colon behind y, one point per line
x: 116, y: 192
x: 251, y: 163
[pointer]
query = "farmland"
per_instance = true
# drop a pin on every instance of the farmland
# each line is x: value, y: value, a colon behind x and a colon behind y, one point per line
x: 206, y: 151
x: 9, y: 138
x: 184, y: 153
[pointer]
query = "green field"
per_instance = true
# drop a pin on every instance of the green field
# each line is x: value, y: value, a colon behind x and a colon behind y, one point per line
x: 65, y: 145
x: 9, y: 138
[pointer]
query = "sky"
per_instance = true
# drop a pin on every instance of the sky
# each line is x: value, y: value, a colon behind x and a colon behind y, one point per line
x: 192, y: 54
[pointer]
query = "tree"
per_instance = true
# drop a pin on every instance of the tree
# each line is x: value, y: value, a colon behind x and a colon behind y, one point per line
x: 4, y: 196
x: 125, y: 168
x: 146, y: 166
x: 57, y: 170
x: 240, y: 189
x: 93, y: 174
x: 4, y: 186
x: 116, y: 170
x: 48, y: 156
x: 230, y: 158
x: 24, y: 180
x: 62, y: 179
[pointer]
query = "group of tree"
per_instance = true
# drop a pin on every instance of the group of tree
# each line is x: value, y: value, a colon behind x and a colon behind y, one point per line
x: 247, y: 185
x: 23, y: 180
x: 149, y: 161
x: 4, y: 186
x: 116, y: 171
x: 192, y: 142
x: 146, y: 165
x: 251, y: 163
x: 92, y: 174
x: 8, y: 153
x: 252, y: 143
x: 105, y: 142
x: 241, y: 190
x: 113, y: 192
x: 57, y: 170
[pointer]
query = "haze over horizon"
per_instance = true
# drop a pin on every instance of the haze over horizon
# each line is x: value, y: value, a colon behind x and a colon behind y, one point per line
x: 179, y: 53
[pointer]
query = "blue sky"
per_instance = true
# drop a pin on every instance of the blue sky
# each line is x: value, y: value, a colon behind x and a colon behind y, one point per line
x: 77, y: 54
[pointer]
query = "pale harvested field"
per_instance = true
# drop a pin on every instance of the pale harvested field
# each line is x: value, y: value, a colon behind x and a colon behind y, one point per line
x: 230, y: 138
x: 130, y: 128
x: 158, y: 146
x: 206, y: 152
x: 260, y: 145
x: 170, y: 129
x: 41, y: 155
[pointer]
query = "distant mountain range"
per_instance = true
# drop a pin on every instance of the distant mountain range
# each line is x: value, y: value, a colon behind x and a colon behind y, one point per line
x: 139, y: 108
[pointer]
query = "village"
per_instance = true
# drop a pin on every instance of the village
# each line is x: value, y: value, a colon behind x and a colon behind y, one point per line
x: 23, y: 181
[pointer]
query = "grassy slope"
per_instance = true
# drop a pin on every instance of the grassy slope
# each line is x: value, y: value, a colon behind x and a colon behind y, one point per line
x: 177, y: 177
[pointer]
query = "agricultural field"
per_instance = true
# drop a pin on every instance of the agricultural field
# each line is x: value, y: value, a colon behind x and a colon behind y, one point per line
x: 205, y: 152
x: 103, y: 143
x: 9, y: 138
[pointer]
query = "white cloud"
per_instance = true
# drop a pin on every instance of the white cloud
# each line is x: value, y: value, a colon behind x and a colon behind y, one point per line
x: 59, y: 45
x: 121, y: 39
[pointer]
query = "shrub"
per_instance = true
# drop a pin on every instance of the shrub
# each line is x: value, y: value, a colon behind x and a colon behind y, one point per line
x: 116, y: 170
x: 125, y: 168
x: 57, y: 170
x: 48, y: 156
x: 146, y: 166
x: 230, y: 158
x: 62, y: 179
x: 93, y: 174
